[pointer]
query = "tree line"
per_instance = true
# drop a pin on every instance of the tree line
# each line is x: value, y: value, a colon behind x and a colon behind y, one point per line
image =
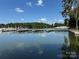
x: 30, y: 25
x: 26, y: 25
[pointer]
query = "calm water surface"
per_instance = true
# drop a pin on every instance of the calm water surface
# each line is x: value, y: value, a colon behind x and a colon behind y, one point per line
x: 38, y: 45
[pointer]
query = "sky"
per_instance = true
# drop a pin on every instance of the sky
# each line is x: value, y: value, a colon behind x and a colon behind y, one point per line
x: 48, y: 11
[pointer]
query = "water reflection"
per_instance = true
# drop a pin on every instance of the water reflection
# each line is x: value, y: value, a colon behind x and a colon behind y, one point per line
x: 70, y: 49
x: 33, y: 45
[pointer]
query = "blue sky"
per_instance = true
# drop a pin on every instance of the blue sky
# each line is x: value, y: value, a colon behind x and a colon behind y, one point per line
x: 48, y: 11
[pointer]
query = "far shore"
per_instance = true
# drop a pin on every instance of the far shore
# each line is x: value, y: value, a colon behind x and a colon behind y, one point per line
x: 61, y: 28
x: 44, y: 29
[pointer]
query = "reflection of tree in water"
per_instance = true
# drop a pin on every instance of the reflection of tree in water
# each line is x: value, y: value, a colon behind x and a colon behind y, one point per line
x: 70, y: 48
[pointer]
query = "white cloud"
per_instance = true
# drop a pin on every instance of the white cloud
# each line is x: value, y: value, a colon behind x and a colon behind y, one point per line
x: 58, y: 21
x: 29, y: 4
x: 42, y: 20
x: 22, y: 19
x: 45, y: 20
x: 40, y: 3
x: 19, y: 10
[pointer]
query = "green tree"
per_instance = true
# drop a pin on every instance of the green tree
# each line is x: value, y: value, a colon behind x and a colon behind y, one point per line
x: 71, y: 9
x: 66, y: 22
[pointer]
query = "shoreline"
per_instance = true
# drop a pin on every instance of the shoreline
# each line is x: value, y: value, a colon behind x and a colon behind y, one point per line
x: 62, y: 28
x: 74, y: 31
x: 26, y: 29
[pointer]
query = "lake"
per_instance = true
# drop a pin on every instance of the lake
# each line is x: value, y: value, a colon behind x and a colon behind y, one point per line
x: 39, y: 45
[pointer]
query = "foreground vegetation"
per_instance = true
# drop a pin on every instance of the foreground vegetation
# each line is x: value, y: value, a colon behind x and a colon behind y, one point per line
x: 71, y: 12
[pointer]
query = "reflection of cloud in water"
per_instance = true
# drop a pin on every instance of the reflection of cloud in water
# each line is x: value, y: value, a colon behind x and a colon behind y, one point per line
x: 27, y: 45
x: 42, y: 34
x: 37, y: 46
x: 0, y: 32
x: 40, y: 52
x: 19, y: 45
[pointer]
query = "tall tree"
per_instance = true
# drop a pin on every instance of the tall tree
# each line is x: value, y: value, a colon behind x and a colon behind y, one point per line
x: 71, y: 9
